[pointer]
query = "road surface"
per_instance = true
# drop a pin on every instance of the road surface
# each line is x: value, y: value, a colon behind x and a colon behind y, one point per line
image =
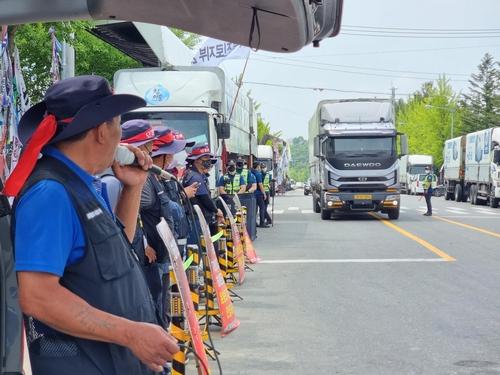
x: 364, y: 295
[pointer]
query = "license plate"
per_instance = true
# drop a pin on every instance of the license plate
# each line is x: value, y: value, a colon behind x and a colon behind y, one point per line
x: 364, y: 197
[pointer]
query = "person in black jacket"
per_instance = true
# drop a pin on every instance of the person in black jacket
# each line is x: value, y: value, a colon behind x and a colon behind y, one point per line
x: 200, y: 162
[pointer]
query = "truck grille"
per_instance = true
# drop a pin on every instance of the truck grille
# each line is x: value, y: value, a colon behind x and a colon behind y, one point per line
x: 357, y: 179
x: 362, y: 188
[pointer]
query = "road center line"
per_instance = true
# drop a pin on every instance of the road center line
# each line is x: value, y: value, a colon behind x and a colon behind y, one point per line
x: 477, y: 229
x: 413, y: 237
x: 394, y: 260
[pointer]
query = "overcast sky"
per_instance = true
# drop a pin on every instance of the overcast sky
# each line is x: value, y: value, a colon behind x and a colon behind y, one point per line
x: 289, y: 109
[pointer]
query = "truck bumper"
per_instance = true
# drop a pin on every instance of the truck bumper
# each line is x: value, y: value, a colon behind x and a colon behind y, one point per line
x: 377, y: 201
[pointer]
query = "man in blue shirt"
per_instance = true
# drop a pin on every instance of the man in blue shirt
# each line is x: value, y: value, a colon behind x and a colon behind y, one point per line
x: 78, y: 282
x: 260, y: 195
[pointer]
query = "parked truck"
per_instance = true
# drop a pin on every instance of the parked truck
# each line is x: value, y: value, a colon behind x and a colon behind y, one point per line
x: 196, y: 101
x: 410, y: 166
x: 482, y: 166
x: 454, y: 169
x: 353, y: 157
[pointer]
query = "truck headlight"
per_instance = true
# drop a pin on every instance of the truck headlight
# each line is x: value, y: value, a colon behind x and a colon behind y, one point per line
x: 332, y: 198
x: 392, y: 198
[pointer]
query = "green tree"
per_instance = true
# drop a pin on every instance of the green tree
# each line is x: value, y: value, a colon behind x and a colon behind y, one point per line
x: 299, y: 165
x: 189, y: 39
x: 426, y: 119
x: 482, y: 103
x: 93, y: 56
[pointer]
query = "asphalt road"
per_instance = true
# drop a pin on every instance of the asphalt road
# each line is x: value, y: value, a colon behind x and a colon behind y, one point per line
x: 360, y: 295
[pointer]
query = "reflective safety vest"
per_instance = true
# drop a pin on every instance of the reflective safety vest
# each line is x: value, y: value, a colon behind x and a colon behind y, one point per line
x: 267, y: 183
x: 430, y: 182
x: 232, y: 183
x: 244, y: 174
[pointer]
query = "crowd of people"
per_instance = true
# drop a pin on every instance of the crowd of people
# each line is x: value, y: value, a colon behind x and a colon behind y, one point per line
x: 93, y: 271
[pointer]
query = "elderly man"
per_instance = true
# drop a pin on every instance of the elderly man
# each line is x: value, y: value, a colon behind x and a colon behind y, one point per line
x: 88, y: 309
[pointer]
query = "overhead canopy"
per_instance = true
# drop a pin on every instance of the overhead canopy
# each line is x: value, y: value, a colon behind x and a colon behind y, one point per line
x: 152, y: 45
x: 273, y: 25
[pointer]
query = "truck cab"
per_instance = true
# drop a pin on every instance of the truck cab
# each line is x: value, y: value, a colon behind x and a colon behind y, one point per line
x: 355, y: 159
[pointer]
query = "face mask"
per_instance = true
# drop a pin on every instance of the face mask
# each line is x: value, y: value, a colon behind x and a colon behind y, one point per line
x: 427, y: 171
x: 207, y: 164
x: 264, y: 170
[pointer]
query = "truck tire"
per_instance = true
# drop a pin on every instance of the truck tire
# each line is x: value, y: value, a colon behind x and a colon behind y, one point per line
x: 316, y: 207
x: 393, y: 214
x: 493, y: 202
x: 326, y: 214
x: 458, y: 193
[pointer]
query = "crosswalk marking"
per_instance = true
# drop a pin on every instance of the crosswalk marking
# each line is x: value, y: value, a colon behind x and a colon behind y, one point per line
x: 293, y: 208
x: 307, y: 211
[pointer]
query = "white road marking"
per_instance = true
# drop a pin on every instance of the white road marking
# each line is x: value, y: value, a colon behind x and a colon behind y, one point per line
x: 484, y: 211
x: 293, y: 208
x: 456, y: 208
x: 308, y: 261
x: 452, y: 210
x: 278, y: 212
x: 307, y: 211
x: 470, y: 217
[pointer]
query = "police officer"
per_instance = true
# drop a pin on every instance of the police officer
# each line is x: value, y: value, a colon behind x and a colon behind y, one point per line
x: 231, y: 183
x: 79, y: 285
x: 259, y: 195
x: 266, y: 183
x: 428, y: 189
x: 248, y: 177
x: 200, y: 162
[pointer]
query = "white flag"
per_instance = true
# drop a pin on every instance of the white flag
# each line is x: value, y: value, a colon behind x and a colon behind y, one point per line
x: 215, y: 51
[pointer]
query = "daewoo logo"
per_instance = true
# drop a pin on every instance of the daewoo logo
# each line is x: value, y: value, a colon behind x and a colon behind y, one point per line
x: 362, y: 165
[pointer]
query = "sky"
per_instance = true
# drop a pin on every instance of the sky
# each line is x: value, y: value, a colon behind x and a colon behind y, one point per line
x: 379, y: 62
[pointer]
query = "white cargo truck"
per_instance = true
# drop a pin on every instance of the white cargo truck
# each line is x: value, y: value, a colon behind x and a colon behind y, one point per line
x: 353, y: 157
x: 454, y: 169
x: 196, y: 101
x: 482, y: 167
x: 410, y: 166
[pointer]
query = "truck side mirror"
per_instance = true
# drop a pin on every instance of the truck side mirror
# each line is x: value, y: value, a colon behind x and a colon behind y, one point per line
x: 496, y: 156
x: 317, y: 147
x: 223, y: 130
x: 403, y: 138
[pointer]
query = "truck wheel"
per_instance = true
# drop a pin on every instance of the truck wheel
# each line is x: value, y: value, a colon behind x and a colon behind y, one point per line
x: 393, y: 214
x: 316, y: 207
x: 458, y: 193
x: 493, y: 202
x: 326, y: 214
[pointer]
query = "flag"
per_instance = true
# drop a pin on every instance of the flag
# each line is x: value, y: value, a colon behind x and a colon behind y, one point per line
x: 215, y: 51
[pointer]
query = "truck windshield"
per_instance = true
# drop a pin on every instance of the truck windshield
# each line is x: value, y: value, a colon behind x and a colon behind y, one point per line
x: 194, y: 125
x: 417, y: 169
x: 360, y: 147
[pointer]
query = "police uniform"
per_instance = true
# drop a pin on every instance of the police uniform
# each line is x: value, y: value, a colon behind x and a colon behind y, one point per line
x: 428, y: 189
x: 266, y: 182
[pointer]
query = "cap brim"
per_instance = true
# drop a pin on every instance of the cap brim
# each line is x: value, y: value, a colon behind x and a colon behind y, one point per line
x: 176, y: 146
x: 190, y: 143
x: 88, y: 117
x: 30, y: 121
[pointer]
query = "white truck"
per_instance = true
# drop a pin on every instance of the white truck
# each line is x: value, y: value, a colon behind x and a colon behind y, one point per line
x: 410, y: 166
x: 482, y: 167
x: 353, y: 157
x: 454, y: 169
x: 266, y: 155
x: 196, y: 101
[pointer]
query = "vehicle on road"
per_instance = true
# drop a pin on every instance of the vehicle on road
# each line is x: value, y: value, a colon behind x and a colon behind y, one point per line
x: 482, y: 167
x: 409, y: 167
x: 307, y: 187
x: 196, y: 101
x: 454, y: 169
x: 353, y: 157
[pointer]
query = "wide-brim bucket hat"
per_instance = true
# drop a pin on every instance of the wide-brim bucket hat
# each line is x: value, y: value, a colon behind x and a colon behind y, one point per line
x: 137, y: 132
x: 78, y: 104
x: 170, y: 143
x: 201, y: 150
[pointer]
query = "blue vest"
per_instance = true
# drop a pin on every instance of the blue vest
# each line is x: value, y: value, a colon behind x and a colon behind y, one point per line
x: 108, y: 277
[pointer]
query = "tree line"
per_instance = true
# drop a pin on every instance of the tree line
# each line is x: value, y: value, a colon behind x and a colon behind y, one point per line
x: 436, y: 113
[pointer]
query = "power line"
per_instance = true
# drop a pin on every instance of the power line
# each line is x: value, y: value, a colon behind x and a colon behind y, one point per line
x: 351, y: 72
x: 419, y: 29
x: 364, y: 68
x: 395, y: 51
x: 419, y: 36
x: 320, y: 88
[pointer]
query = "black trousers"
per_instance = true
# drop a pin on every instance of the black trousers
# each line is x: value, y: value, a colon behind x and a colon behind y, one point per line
x: 267, y: 216
x: 428, y: 196
x: 261, y: 206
